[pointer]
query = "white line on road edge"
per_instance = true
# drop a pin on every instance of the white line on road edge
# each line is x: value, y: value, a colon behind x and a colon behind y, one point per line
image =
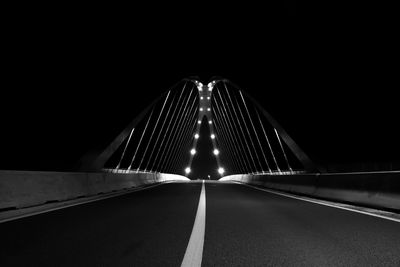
x: 321, y: 202
x: 194, y: 250
x: 80, y: 202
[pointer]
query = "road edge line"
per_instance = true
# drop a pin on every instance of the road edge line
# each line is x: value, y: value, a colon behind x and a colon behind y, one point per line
x: 318, y: 202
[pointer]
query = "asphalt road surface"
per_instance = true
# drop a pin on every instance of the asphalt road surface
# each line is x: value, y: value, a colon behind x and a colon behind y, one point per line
x: 243, y: 227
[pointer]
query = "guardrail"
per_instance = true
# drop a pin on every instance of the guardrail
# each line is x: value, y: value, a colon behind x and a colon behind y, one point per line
x: 20, y: 189
x: 373, y: 189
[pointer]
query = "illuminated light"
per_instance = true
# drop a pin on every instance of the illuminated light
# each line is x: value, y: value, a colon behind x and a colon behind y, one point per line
x: 208, y: 98
x: 201, y: 109
x: 188, y: 170
x: 213, y: 136
x: 221, y: 170
x: 193, y: 151
x: 199, y: 86
x: 209, y: 122
x: 201, y: 97
x: 196, y: 136
x: 208, y: 109
x: 210, y: 86
x: 199, y: 122
x: 216, y: 152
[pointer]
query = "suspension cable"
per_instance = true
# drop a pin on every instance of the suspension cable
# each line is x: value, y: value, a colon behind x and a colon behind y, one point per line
x: 235, y: 138
x: 168, y: 143
x: 254, y: 129
x: 222, y: 137
x: 186, y: 142
x: 173, y: 130
x: 222, y: 140
x: 269, y: 145
x: 240, y: 127
x: 166, y: 131
x: 283, y: 151
x: 248, y: 132
x: 140, y: 141
x: 228, y: 156
x: 126, y: 146
x: 159, y: 133
x: 186, y: 135
x: 154, y: 129
x: 238, y: 155
x: 180, y: 132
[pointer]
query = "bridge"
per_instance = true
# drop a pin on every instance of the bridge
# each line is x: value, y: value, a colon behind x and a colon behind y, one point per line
x: 204, y: 176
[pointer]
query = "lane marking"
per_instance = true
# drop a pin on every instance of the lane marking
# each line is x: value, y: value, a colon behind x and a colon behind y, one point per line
x: 194, y: 250
x: 97, y: 198
x: 322, y: 202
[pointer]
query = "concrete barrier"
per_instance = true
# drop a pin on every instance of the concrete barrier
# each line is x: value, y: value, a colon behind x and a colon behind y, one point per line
x: 20, y: 189
x: 375, y: 189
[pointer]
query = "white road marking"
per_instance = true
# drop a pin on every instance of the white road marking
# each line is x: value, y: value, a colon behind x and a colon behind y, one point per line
x: 325, y: 203
x: 63, y: 206
x: 194, y: 250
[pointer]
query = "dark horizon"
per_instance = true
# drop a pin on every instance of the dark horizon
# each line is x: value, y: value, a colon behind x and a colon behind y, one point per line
x: 71, y: 88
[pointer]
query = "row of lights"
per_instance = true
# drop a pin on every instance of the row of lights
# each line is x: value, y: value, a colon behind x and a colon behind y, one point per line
x: 208, y: 109
x: 197, y: 136
x: 193, y: 151
x: 209, y: 122
x: 220, y: 170
x: 201, y: 98
x: 212, y: 136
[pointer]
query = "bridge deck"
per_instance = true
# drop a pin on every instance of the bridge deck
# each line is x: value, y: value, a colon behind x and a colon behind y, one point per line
x: 244, y: 227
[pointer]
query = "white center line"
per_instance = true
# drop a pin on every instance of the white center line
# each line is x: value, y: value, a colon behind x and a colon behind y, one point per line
x: 194, y: 250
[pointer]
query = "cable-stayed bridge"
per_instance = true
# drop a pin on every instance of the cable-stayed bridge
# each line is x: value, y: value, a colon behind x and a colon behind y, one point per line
x: 144, y: 200
x: 245, y: 137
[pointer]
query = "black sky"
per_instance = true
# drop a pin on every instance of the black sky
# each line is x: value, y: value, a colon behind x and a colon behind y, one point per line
x: 76, y: 75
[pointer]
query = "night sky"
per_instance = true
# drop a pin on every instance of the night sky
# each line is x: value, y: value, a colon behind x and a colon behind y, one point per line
x: 76, y: 76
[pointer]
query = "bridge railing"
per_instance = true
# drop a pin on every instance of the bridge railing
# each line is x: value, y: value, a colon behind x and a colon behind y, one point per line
x: 19, y: 189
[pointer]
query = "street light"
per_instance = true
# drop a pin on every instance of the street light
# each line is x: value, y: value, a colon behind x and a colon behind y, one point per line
x: 196, y: 136
x: 221, y: 170
x: 216, y: 152
x: 193, y: 151
x: 188, y: 170
x: 213, y: 136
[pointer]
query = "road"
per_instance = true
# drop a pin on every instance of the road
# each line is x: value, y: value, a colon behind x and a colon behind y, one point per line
x: 243, y: 227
